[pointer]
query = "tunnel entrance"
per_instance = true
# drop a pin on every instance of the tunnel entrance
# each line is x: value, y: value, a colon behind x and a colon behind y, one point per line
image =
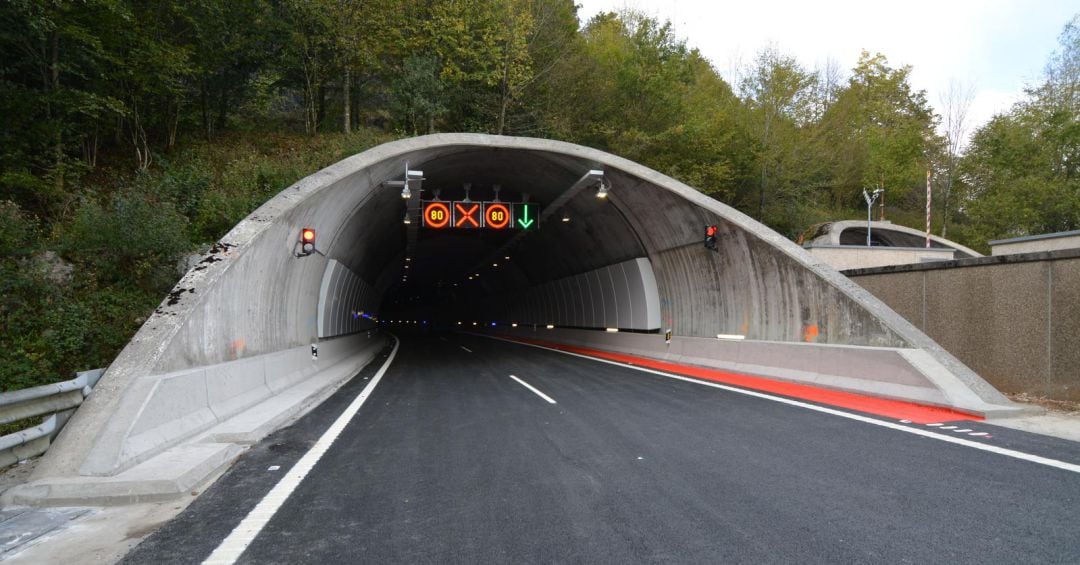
x: 245, y: 324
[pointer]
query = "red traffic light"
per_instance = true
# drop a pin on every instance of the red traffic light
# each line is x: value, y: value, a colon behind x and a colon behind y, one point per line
x: 307, y: 242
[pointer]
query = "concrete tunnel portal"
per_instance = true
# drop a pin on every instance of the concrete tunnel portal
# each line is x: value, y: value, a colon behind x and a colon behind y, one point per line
x: 237, y: 328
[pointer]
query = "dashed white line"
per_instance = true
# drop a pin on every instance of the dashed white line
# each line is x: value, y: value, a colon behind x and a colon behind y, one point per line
x: 532, y: 388
x: 1071, y: 467
x: 948, y: 427
x: 238, y: 540
x: 963, y: 431
x: 465, y: 348
x: 978, y: 434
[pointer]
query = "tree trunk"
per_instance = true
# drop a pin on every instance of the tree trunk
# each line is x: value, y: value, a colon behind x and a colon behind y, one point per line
x: 348, y: 107
x: 58, y: 148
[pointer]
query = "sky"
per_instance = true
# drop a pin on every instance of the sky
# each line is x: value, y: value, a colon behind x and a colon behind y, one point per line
x: 994, y: 48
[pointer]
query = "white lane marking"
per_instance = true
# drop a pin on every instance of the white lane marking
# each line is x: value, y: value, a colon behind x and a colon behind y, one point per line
x: 978, y: 434
x: 934, y: 425
x: 465, y: 348
x: 1071, y: 467
x: 948, y: 427
x: 963, y: 431
x: 532, y: 388
x: 238, y: 540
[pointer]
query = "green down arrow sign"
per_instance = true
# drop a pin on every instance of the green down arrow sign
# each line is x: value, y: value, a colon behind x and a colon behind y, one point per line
x: 524, y: 220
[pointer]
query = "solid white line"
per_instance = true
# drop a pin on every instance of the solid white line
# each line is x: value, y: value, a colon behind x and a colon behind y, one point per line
x: 532, y: 388
x: 238, y: 540
x: 465, y: 348
x: 917, y: 431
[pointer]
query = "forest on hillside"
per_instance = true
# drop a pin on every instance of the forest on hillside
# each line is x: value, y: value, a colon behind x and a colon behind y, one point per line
x: 136, y: 132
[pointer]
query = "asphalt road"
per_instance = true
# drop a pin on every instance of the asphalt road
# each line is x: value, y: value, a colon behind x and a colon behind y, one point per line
x: 453, y: 461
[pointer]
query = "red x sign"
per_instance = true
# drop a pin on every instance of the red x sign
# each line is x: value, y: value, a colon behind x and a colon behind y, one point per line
x: 466, y: 215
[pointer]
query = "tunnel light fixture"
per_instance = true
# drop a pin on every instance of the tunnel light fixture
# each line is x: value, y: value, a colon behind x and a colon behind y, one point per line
x: 507, y: 258
x: 513, y: 325
x: 612, y: 330
x: 565, y: 218
x: 406, y: 220
x: 474, y: 323
x: 731, y: 337
x: 602, y: 191
x: 550, y: 326
x: 494, y: 264
x: 406, y: 193
x: 407, y: 259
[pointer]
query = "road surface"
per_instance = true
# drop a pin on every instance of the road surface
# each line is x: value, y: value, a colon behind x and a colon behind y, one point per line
x: 473, y: 450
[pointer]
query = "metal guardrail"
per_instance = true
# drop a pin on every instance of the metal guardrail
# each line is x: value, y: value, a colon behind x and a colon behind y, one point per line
x: 59, y: 400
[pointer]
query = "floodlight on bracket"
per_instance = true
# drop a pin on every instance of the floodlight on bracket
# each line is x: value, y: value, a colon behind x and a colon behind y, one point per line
x: 411, y: 176
x: 603, y: 189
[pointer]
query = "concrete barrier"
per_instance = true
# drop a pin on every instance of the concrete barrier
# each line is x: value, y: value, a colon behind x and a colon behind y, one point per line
x: 885, y: 372
x: 159, y: 411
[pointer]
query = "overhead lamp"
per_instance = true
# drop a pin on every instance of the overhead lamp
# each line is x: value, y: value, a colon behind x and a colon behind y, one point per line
x: 407, y: 221
x: 602, y: 191
x: 406, y: 193
x: 565, y: 218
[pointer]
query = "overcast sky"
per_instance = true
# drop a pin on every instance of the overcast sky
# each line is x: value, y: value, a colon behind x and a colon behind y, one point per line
x: 995, y: 47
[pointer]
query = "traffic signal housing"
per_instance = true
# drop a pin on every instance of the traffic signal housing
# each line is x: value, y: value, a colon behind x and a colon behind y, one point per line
x: 307, y: 242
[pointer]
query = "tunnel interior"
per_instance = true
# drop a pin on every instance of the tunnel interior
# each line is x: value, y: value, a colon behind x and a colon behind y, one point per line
x: 441, y: 276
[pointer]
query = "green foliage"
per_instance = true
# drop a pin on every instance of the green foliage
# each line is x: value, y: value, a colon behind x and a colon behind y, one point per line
x: 1021, y: 173
x: 129, y: 239
x: 135, y: 132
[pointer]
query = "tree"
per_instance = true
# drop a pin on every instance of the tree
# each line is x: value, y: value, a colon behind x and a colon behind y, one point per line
x: 955, y: 102
x: 1023, y: 167
x: 778, y: 96
x: 881, y: 133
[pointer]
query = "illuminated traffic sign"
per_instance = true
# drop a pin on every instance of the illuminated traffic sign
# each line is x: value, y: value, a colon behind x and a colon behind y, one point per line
x: 467, y: 215
x: 496, y: 215
x: 527, y: 215
x: 437, y: 214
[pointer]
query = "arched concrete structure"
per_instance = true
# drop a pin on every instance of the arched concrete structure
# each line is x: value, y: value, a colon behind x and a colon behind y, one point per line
x: 853, y: 232
x: 238, y: 327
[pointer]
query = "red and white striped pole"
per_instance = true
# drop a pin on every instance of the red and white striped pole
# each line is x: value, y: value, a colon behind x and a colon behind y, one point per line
x: 929, y: 194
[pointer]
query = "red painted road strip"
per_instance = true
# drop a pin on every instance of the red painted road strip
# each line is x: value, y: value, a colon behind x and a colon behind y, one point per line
x: 897, y: 409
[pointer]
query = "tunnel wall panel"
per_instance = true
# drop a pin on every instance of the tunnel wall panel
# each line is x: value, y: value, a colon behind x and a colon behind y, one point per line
x: 343, y: 297
x: 621, y: 296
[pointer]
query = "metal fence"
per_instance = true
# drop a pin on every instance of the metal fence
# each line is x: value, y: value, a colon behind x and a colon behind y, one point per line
x: 58, y: 401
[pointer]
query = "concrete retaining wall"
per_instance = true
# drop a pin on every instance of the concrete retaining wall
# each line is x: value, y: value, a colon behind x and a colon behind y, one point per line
x: 1013, y: 319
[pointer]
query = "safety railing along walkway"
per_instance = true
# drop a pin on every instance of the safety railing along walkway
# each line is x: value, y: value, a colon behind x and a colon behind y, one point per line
x: 57, y: 401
